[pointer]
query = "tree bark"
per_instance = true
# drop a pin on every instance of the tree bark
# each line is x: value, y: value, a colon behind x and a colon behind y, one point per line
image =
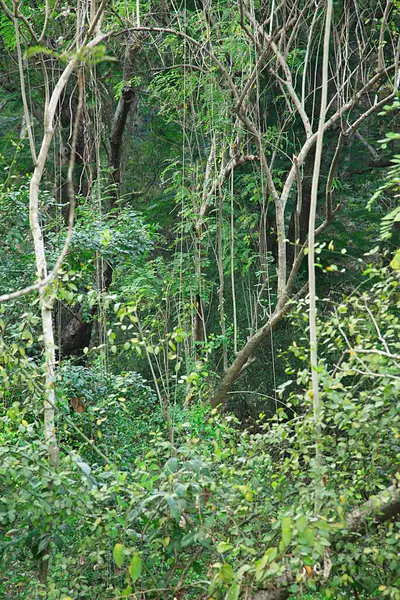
x: 127, y: 101
x: 285, y: 285
x: 41, y: 265
x: 45, y: 296
x: 379, y: 508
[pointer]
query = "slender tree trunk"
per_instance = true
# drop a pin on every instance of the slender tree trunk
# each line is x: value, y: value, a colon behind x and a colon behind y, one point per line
x: 46, y: 300
x: 245, y: 355
x: 317, y: 404
x: 41, y: 267
x: 285, y: 283
x: 221, y: 290
x: 45, y: 295
x: 127, y: 101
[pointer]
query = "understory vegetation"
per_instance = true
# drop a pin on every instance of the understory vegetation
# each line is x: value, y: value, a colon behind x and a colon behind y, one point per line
x: 199, y: 300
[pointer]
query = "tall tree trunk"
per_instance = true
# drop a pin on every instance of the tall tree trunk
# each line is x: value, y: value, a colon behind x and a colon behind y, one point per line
x: 244, y: 356
x: 51, y: 104
x: 128, y: 101
x: 317, y: 402
x: 76, y: 333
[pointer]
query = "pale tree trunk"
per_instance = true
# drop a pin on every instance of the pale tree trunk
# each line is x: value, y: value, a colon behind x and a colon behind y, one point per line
x: 40, y: 257
x: 46, y: 300
x: 41, y: 267
x: 311, y: 261
x: 45, y: 294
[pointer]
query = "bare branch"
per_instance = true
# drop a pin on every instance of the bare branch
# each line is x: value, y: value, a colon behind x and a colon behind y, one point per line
x: 288, y: 82
x: 23, y: 93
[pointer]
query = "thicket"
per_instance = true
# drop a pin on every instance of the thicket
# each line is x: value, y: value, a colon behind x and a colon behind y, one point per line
x: 189, y: 409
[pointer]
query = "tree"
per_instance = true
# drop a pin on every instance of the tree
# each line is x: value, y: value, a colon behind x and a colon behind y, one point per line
x: 90, y: 38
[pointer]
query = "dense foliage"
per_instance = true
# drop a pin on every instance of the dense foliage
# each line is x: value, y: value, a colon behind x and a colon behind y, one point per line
x: 168, y: 428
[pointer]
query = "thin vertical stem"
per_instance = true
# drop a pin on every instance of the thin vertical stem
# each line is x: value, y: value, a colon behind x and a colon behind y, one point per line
x: 221, y: 285
x: 137, y: 13
x: 297, y: 209
x: 317, y: 404
x: 164, y: 401
x: 23, y: 93
x: 232, y: 250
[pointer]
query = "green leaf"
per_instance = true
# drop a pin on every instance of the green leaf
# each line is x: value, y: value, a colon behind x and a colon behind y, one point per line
x: 226, y: 573
x: 171, y: 466
x: 181, y: 489
x: 243, y: 569
x: 307, y: 537
x: 233, y: 593
x: 271, y: 554
x: 188, y: 539
x: 286, y: 530
x: 395, y: 262
x: 119, y: 554
x: 127, y: 591
x: 301, y: 524
x: 261, y: 564
x: 35, y: 50
x: 135, y: 567
x: 223, y: 547
x: 174, y: 508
